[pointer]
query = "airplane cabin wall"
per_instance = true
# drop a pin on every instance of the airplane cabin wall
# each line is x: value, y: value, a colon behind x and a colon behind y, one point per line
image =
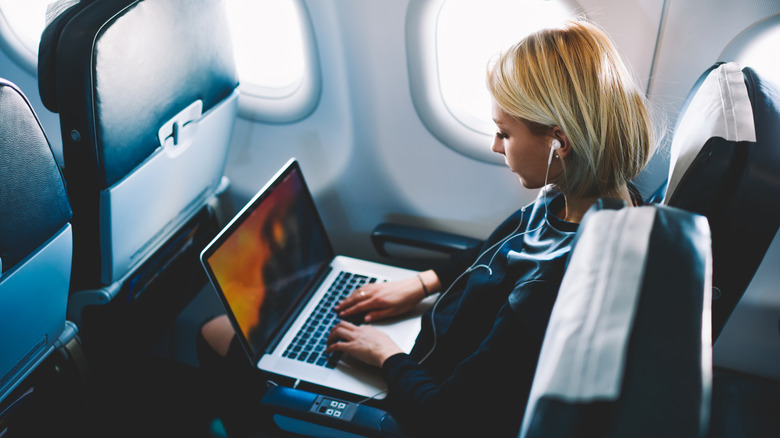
x: 364, y: 151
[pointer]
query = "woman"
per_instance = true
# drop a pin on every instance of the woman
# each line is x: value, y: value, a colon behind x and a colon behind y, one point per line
x: 568, y: 113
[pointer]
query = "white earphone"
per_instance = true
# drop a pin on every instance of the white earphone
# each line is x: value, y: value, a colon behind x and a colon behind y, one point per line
x: 554, y: 147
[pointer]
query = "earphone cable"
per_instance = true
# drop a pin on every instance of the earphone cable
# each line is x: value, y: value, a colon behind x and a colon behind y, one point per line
x: 501, y: 242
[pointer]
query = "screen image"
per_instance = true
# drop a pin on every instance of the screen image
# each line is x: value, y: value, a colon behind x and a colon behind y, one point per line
x: 267, y: 261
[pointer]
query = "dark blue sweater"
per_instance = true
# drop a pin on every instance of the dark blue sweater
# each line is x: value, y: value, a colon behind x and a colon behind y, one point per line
x: 489, y: 327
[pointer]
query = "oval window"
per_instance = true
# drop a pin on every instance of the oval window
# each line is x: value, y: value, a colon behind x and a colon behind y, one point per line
x: 276, y: 59
x: 469, y: 34
x: 450, y: 44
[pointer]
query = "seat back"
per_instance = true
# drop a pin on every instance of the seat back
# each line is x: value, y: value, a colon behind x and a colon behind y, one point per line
x: 35, y: 243
x: 724, y: 165
x: 627, y: 351
x: 146, y: 93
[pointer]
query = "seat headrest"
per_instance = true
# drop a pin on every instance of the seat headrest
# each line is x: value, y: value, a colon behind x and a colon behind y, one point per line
x: 61, y: 13
x: 625, y: 344
x: 717, y: 107
x: 32, y: 193
x: 725, y: 162
x: 173, y: 53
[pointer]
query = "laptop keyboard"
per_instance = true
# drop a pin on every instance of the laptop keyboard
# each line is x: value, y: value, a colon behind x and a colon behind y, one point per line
x: 310, y: 341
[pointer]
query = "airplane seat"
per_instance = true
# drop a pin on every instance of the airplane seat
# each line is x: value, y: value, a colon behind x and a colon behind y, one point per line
x: 146, y: 92
x: 428, y: 241
x: 35, y: 255
x: 617, y: 359
x: 724, y: 165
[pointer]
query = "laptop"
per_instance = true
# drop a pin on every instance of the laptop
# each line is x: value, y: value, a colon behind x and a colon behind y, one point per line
x: 276, y: 273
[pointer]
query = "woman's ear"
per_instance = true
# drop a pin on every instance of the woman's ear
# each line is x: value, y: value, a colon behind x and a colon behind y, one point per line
x: 565, y: 148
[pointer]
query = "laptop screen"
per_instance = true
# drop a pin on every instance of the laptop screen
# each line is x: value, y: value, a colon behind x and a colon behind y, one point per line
x: 268, y: 256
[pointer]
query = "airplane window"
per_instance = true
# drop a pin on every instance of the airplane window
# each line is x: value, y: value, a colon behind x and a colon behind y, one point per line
x: 275, y: 57
x: 451, y: 43
x: 275, y: 66
x: 273, y: 43
x: 21, y: 24
x: 468, y: 34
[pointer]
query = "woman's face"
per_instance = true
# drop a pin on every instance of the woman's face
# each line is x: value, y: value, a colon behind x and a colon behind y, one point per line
x: 525, y: 152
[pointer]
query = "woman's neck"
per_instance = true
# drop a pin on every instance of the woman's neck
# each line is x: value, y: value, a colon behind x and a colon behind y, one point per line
x: 576, y: 207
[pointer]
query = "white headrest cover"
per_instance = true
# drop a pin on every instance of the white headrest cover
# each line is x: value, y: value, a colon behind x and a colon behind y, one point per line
x: 586, y: 341
x: 720, y: 108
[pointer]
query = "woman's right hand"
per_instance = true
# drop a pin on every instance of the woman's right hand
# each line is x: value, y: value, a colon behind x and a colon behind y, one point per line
x: 384, y: 300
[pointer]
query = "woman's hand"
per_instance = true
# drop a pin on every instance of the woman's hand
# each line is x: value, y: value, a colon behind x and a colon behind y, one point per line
x: 362, y: 342
x: 384, y: 300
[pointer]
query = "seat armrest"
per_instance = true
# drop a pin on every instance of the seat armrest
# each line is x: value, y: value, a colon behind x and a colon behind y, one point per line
x: 310, y: 414
x: 422, y: 238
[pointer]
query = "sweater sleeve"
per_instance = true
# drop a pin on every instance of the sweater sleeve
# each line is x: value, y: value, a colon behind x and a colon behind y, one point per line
x: 449, y: 270
x: 487, y: 390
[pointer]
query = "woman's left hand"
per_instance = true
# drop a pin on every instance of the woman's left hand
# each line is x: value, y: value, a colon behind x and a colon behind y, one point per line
x: 362, y: 342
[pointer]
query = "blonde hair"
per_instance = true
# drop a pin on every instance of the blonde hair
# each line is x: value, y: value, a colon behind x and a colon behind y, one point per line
x: 572, y: 77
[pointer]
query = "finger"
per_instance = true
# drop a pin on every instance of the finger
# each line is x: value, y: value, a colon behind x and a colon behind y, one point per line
x: 378, y: 314
x: 341, y: 331
x: 345, y: 304
x: 360, y: 307
x: 337, y: 346
x: 346, y: 325
x: 336, y: 335
x: 362, y: 293
x: 355, y: 297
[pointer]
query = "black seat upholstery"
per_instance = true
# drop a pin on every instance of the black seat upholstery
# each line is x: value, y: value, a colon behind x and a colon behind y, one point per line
x: 147, y: 99
x: 617, y: 359
x: 35, y: 245
x: 725, y: 161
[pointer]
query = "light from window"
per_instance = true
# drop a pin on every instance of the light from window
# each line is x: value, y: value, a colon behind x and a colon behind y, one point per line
x: 268, y: 44
x: 755, y: 47
x: 276, y: 59
x: 469, y: 34
x: 21, y: 25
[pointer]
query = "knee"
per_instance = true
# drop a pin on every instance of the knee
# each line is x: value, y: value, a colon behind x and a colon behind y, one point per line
x: 217, y: 333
